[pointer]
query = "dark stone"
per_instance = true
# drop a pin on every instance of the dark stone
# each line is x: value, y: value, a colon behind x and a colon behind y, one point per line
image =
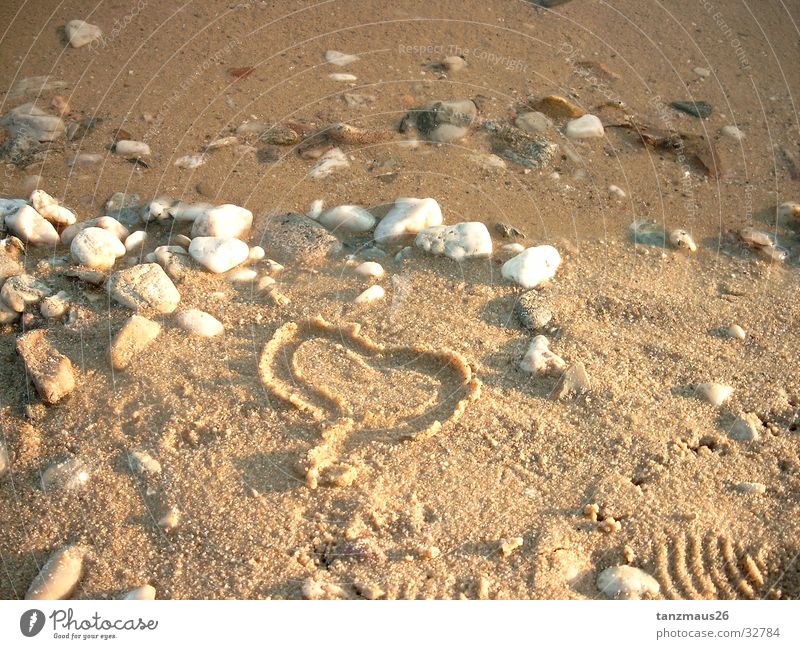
x: 532, y: 312
x: 522, y: 148
x: 295, y: 239
x: 699, y: 109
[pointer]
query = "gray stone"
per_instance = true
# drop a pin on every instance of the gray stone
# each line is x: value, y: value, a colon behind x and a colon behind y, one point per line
x: 294, y: 239
x: 532, y: 311
x: 145, y: 286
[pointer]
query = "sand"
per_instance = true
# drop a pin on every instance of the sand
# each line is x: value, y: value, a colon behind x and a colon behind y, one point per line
x: 494, y: 503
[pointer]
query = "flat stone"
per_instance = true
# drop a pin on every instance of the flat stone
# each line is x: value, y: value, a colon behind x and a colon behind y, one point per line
x: 199, y: 323
x: 29, y: 124
x: 329, y: 162
x: 21, y: 291
x: 227, y: 221
x: 80, y: 33
x: 60, y: 574
x: 295, y: 239
x: 458, y: 242
x: 145, y: 286
x: 701, y: 109
x: 96, y: 248
x: 523, y: 148
x: 175, y: 261
x: 714, y: 393
x: 347, y: 219
x: 134, y: 337
x: 340, y: 58
x: 532, y: 267
x: 627, y: 582
x: 532, y: 311
x: 408, y: 216
x: 557, y: 107
x: 533, y: 122
x: 51, y: 372
x: 50, y: 209
x: 746, y: 428
x: 218, y: 254
x: 131, y: 149
x: 31, y: 227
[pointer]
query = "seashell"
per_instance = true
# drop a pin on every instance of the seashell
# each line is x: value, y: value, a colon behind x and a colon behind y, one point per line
x: 682, y: 239
x: 60, y: 575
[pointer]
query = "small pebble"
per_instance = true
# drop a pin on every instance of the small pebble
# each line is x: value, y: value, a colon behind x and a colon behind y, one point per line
x: 627, y: 582
x: 146, y: 592
x: 145, y: 286
x: 218, y: 254
x: 372, y: 294
x: 144, y: 464
x: 408, y: 216
x: 256, y: 253
x: 732, y: 132
x: 342, y: 76
x: 60, y: 574
x: 134, y: 337
x: 508, y: 546
x: 170, y: 520
x: 540, y: 360
x: 340, y: 58
x: 96, y: 248
x: 702, y: 72
x: 131, y: 149
x: 191, y: 161
x: 714, y: 393
x: 453, y: 63
x: 746, y: 428
x: 67, y: 475
x: 369, y: 269
x: 616, y: 191
x: 587, y: 126
x: 199, y: 323
x: 683, y: 240
x: 533, y: 267
x: 735, y: 331
x: 135, y: 240
x: 241, y: 275
x: 751, y: 487
x: 80, y: 33
x: 458, y: 242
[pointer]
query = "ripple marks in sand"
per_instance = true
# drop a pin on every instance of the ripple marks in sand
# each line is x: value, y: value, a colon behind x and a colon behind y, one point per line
x: 357, y: 388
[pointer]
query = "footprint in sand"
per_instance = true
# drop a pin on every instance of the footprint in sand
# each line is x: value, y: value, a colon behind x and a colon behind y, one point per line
x: 359, y: 391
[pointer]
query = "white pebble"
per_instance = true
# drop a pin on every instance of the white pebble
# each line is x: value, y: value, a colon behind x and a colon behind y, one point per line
x: 192, y: 161
x: 273, y: 267
x: 369, y: 269
x: 540, y: 360
x: 746, y: 428
x: 315, y: 209
x: 408, y: 216
x: 339, y: 58
x: 135, y: 241
x: 199, y: 323
x: 735, y: 331
x: 241, y: 275
x: 181, y: 211
x: 157, y: 209
x: 702, y: 72
x: 32, y: 227
x: 223, y: 221
x: 512, y: 247
x: 732, y: 132
x: 256, y: 253
x: 80, y: 33
x: 67, y: 475
x: 96, y: 248
x: 131, y: 149
x: 372, y: 294
x: 108, y: 223
x: 170, y: 520
x: 49, y: 208
x: 683, y: 240
x: 458, y: 242
x: 627, y: 582
x: 347, y: 218
x: 218, y: 254
x: 584, y: 127
x: 715, y: 393
x: 752, y: 487
x: 328, y: 163
x: 532, y: 267
x: 616, y: 191
x: 54, y: 306
x: 146, y: 592
x: 5, y: 462
x: 60, y: 574
x: 341, y: 76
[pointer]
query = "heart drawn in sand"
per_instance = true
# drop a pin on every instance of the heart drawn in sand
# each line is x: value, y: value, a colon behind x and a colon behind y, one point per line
x: 353, y: 386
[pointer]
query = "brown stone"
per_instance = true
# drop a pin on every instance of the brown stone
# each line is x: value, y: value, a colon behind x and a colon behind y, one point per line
x: 134, y: 336
x: 51, y: 372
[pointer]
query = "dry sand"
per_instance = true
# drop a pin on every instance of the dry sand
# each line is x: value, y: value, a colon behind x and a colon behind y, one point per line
x: 424, y: 517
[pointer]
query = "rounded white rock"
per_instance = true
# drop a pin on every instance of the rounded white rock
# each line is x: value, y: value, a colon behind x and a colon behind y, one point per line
x: 96, y: 248
x: 627, y: 582
x: 714, y: 393
x: 223, y: 221
x: 459, y: 242
x: 372, y: 294
x: 157, y: 209
x: 315, y: 209
x: 732, y: 132
x: 60, y: 574
x: 104, y: 222
x: 143, y: 592
x: 199, y: 323
x: 54, y: 306
x: 257, y: 253
x: 135, y: 240
x: 532, y: 267
x: 241, y: 275
x: 584, y: 127
x: 540, y: 360
x: 131, y: 149
x: 218, y: 254
x: 30, y: 226
x: 409, y: 216
x: 347, y: 218
x: 369, y: 269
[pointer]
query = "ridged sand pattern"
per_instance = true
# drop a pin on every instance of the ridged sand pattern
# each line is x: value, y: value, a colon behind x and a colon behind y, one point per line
x: 712, y: 566
x: 332, y: 373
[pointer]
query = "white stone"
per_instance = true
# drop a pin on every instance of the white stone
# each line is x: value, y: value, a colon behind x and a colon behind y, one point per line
x: 408, y: 216
x: 616, y: 191
x: 584, y: 127
x: 264, y: 283
x: 218, y: 254
x: 54, y: 306
x: 199, y: 323
x: 144, y: 286
x: 67, y: 475
x: 339, y: 58
x: 453, y: 63
x: 222, y: 142
x: 459, y: 242
x: 135, y: 241
x: 540, y: 360
x: 108, y: 223
x: 60, y: 574
x: 752, y: 488
x: 315, y: 209
x: 131, y: 149
x: 732, y: 132
x: 146, y: 592
x: 157, y: 209
x: 80, y: 33
x: 513, y: 247
x: 96, y: 248
x: 328, y: 163
x: 533, y: 122
x: 532, y: 267
x: 170, y: 520
x: 735, y: 331
x: 191, y: 161
x: 347, y: 218
x: 273, y: 267
x: 715, y: 393
x: 372, y: 294
x: 49, y: 208
x: 746, y: 428
x: 31, y: 227
x: 627, y: 582
x: 341, y: 76
x: 369, y: 269
x: 84, y: 159
x: 189, y: 211
x: 702, y: 72
x: 143, y: 463
x: 241, y: 275
x: 228, y: 221
x: 257, y: 253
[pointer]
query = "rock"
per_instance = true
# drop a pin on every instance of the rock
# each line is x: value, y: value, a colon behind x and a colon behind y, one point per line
x: 508, y: 231
x: 80, y: 33
x: 191, y: 161
x: 31, y: 227
x: 357, y: 101
x: 108, y: 223
x: 157, y: 210
x: 144, y: 464
x: 67, y: 475
x: 746, y: 428
x: 222, y: 142
x: 617, y: 191
x: 295, y: 239
x: 522, y: 148
x: 199, y: 323
x: 732, y: 132
x: 131, y: 149
x: 557, y: 107
x: 587, y: 126
x: 453, y: 63
x: 257, y: 253
x: 683, y: 240
x: 145, y: 286
x: 134, y: 336
x: 341, y: 76
x: 60, y: 574
x: 574, y: 382
x: 226, y: 221
x: 328, y: 163
x: 83, y: 159
x: 49, y: 208
x: 369, y: 269
x: 532, y: 312
x: 540, y: 360
x: 409, y: 216
x: 347, y: 218
x: 701, y: 109
x: 241, y: 275
x: 218, y: 254
x: 11, y: 250
x: 135, y: 241
x: 29, y: 124
x: 735, y: 331
x: 533, y: 267
x: 702, y: 72
x: 751, y: 488
x: 714, y: 393
x: 96, y: 248
x: 488, y: 161
x: 513, y: 248
x: 23, y: 290
x: 339, y: 58
x: 627, y: 582
x: 175, y: 261
x: 54, y: 306
x: 5, y: 462
x: 146, y: 592
x: 458, y: 242
x: 8, y: 315
x: 10, y: 206
x: 170, y: 520
x: 315, y: 209
x: 50, y: 371
x: 372, y: 294
x: 789, y: 211
x: 444, y: 121
x: 533, y: 122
